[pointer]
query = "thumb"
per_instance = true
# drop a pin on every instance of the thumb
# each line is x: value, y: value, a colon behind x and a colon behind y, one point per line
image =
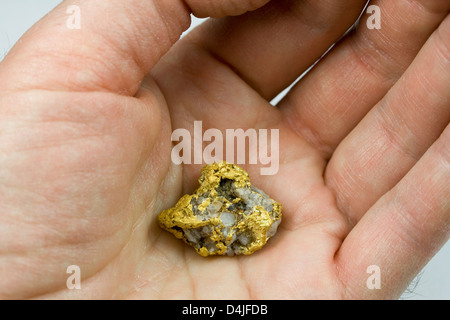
x: 87, y: 45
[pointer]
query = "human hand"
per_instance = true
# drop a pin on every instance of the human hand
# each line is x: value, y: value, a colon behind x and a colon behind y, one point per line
x: 85, y: 142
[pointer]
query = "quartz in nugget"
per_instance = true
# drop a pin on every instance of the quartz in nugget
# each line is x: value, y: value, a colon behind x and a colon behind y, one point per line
x: 225, y: 216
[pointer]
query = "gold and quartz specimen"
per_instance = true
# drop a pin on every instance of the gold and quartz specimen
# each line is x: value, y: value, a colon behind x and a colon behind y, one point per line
x: 226, y: 215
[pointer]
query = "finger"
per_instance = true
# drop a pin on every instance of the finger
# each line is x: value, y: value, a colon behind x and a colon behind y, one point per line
x: 403, y: 230
x: 271, y: 47
x: 218, y: 9
x: 102, y: 45
x: 397, y: 132
x: 331, y: 100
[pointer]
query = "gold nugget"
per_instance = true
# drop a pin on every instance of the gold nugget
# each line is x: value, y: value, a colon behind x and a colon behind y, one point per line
x: 226, y: 215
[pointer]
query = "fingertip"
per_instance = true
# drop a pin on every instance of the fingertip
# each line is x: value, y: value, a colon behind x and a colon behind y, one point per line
x: 222, y: 8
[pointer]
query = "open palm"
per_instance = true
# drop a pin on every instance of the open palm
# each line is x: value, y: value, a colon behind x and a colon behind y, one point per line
x: 85, y: 146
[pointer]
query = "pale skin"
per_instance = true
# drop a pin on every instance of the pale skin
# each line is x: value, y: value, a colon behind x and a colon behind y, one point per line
x: 85, y: 142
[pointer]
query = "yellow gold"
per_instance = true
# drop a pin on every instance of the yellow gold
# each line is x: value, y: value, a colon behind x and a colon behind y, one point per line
x: 226, y: 215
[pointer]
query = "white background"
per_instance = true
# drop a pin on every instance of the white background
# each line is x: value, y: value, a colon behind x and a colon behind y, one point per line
x: 16, y: 16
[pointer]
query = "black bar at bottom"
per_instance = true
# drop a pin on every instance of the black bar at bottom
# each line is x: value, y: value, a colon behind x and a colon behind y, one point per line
x: 230, y: 309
